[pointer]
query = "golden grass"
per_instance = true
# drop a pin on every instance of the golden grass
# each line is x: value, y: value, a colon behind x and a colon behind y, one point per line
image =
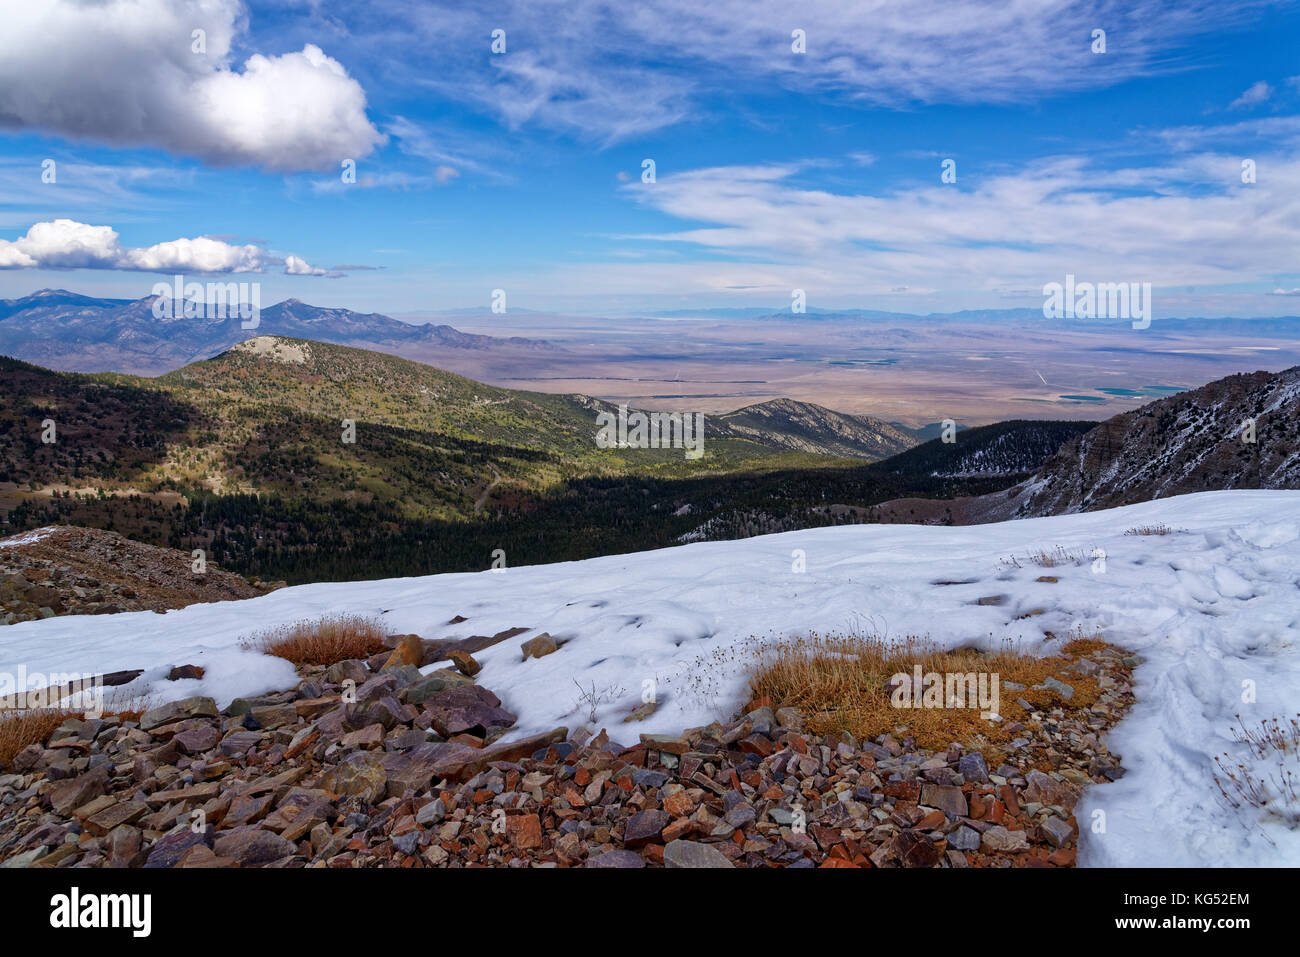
x: 21, y: 727
x: 323, y: 641
x: 843, y: 684
x: 18, y: 729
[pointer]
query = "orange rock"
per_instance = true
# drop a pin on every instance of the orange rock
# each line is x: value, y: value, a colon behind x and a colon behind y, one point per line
x: 838, y: 862
x: 679, y: 804
x: 524, y: 830
x: 678, y: 829
x: 1063, y: 856
x: 409, y: 651
x: 932, y: 820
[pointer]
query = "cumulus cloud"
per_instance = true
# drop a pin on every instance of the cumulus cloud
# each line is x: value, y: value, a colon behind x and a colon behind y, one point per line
x: 68, y: 244
x: 293, y: 266
x: 126, y: 72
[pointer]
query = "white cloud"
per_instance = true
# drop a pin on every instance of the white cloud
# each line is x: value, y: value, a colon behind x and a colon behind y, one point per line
x: 1195, y: 223
x: 67, y: 244
x: 293, y: 266
x: 124, y: 72
x: 1256, y: 94
x: 608, y: 70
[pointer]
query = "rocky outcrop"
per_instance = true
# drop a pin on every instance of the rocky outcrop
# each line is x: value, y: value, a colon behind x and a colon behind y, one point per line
x: 68, y: 570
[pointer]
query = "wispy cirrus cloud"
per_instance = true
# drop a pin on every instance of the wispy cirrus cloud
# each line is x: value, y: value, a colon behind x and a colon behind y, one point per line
x: 608, y: 71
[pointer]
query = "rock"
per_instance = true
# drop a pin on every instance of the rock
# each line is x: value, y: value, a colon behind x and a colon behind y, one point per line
x: 946, y: 798
x: 666, y: 743
x: 1060, y: 687
x: 253, y: 846
x: 465, y: 663
x: 66, y: 796
x: 789, y: 718
x: 185, y: 671
x: 27, y: 858
x: 538, y: 647
x: 641, y: 713
x: 1057, y: 831
x: 173, y: 711
x: 119, y: 813
x: 616, y: 859
x: 644, y: 827
x: 915, y: 850
x: 167, y: 850
x: 432, y: 813
x: 409, y: 651
x: 270, y: 717
x: 122, y: 846
x: 964, y: 839
x: 198, y: 740
x: 351, y: 669
x: 432, y: 685
x: 524, y: 831
x: 742, y: 815
x: 521, y: 748
x: 360, y: 774
x: 998, y: 838
x: 681, y: 853
x: 470, y: 708
x: 1044, y: 789
x: 973, y: 767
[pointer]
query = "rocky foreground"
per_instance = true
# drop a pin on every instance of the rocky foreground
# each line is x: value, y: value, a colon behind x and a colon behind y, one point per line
x: 391, y: 768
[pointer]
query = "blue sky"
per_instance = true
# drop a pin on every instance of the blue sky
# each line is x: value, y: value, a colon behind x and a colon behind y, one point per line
x: 775, y: 170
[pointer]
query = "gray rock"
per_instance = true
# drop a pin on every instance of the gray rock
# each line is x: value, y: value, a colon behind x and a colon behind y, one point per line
x: 196, y: 707
x: 616, y: 859
x: 974, y: 768
x: 681, y: 853
x: 1000, y: 839
x: 1057, y: 831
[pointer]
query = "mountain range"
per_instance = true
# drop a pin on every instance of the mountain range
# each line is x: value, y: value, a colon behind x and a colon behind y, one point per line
x: 75, y: 333
x: 1236, y: 432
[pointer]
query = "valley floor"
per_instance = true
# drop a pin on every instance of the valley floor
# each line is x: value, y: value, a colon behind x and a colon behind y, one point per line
x: 1212, y: 607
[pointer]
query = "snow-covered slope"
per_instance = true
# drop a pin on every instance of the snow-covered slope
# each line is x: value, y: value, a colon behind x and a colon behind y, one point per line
x: 1212, y: 606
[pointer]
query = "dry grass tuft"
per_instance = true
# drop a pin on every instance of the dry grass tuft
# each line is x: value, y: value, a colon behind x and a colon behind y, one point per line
x: 1271, y: 785
x: 1050, y: 558
x: 21, y: 727
x: 322, y: 642
x: 844, y: 684
x: 1159, y: 528
x: 18, y: 729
